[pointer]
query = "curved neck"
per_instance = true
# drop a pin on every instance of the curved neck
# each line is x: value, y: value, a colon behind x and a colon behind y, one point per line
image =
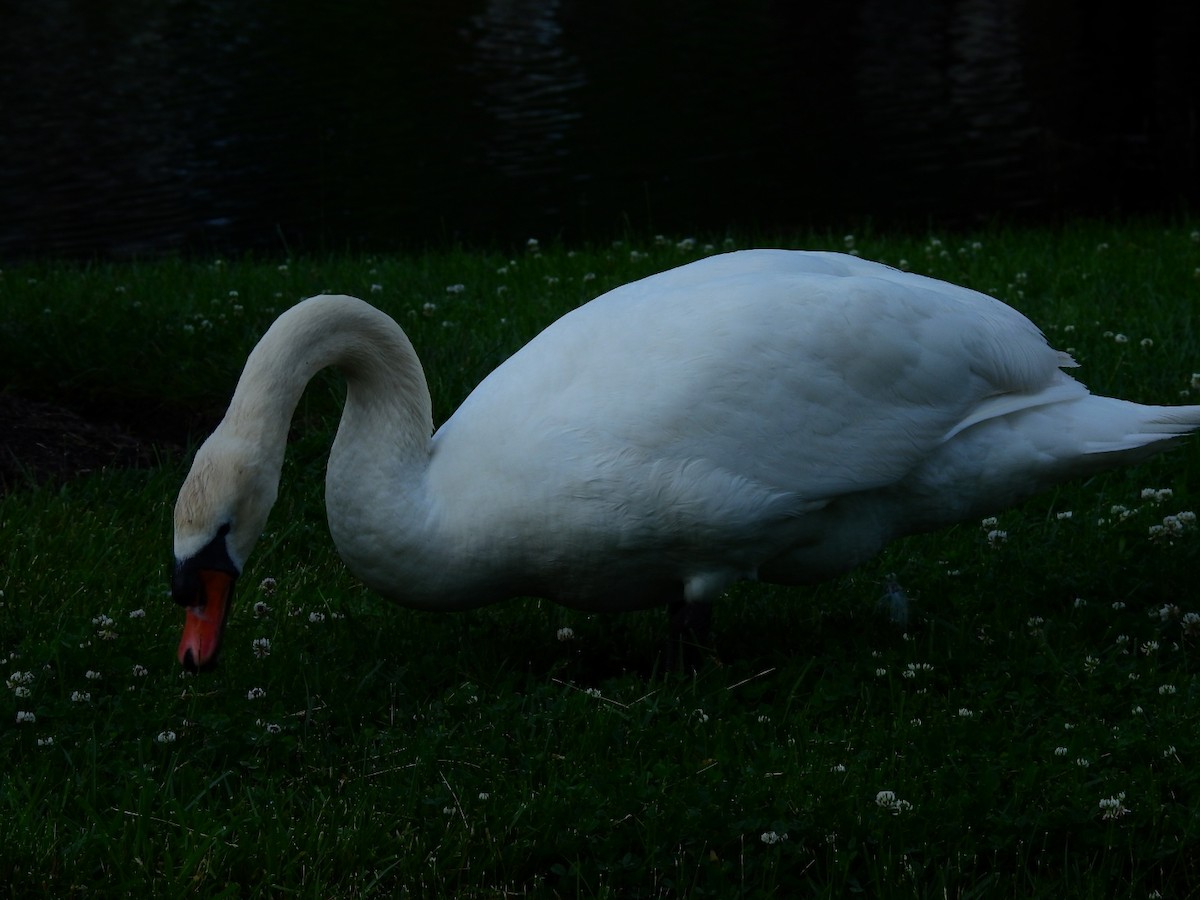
x: 386, y: 389
x: 383, y: 441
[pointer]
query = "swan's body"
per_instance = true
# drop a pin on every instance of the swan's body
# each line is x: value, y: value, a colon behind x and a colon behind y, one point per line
x: 768, y: 415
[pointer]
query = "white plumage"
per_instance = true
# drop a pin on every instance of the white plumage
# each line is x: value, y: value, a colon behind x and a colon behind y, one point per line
x: 767, y: 414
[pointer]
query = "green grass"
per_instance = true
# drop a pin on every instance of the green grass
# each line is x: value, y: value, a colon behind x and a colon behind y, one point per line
x: 399, y: 753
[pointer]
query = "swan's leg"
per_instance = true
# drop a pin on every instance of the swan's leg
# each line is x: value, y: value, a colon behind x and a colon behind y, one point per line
x: 688, y: 638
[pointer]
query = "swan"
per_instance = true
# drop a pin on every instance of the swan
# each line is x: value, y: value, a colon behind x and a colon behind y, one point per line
x: 765, y: 414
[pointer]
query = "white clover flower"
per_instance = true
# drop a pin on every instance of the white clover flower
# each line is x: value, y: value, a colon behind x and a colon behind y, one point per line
x: 166, y: 737
x: 81, y: 697
x: 1060, y: 751
x: 47, y: 741
x: 255, y: 693
x: 261, y: 647
x: 771, y: 837
x: 137, y: 614
x: 1079, y: 603
x: 565, y: 634
x: 1167, y: 689
x: 272, y: 728
x: 17, y: 679
x: 21, y: 692
x: 1065, y: 514
x: 1121, y: 338
x: 102, y: 621
x: 1169, y: 752
x: 996, y: 537
x: 837, y: 768
x: 1146, y: 343
x: 1114, y: 807
x: 701, y: 715
x: 261, y: 609
x: 25, y: 717
x: 888, y: 800
x: 1083, y: 762
x: 965, y: 713
x: 881, y: 672
x: 1137, y: 710
x: 913, y: 669
x: 429, y: 309
x: 376, y: 288
x: 1118, y: 605
x: 989, y: 522
x: 268, y: 585
x: 595, y: 694
x: 455, y: 288
x: 1149, y: 647
x: 484, y: 795
x: 140, y: 671
x: 1191, y: 623
x: 316, y: 616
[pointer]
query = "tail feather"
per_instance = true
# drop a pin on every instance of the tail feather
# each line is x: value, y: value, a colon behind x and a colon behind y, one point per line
x: 1108, y: 425
x: 1003, y: 460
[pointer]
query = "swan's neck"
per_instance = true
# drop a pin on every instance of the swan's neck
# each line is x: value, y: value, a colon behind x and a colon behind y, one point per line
x: 387, y: 396
x: 384, y: 435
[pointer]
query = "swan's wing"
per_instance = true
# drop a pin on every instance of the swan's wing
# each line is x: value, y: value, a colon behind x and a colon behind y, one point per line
x: 811, y: 375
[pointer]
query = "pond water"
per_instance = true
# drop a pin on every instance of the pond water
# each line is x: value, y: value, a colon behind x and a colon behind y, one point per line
x: 144, y: 126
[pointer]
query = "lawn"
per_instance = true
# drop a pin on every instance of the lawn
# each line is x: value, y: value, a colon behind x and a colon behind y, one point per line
x: 1030, y: 732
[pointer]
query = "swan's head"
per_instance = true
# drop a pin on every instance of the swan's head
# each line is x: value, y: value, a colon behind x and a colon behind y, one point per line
x: 219, y: 515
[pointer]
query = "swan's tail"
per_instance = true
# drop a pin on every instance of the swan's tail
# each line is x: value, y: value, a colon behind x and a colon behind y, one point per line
x: 1104, y: 425
x: 1005, y: 459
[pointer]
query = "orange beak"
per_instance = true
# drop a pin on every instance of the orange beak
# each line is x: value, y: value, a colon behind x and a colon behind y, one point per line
x: 205, y: 623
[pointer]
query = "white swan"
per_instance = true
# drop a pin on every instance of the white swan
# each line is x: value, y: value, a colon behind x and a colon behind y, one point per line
x: 768, y: 414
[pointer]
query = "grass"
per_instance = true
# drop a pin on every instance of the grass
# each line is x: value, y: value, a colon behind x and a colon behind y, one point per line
x: 378, y: 751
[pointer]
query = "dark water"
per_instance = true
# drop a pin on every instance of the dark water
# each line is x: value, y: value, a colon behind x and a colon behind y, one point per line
x: 141, y: 126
